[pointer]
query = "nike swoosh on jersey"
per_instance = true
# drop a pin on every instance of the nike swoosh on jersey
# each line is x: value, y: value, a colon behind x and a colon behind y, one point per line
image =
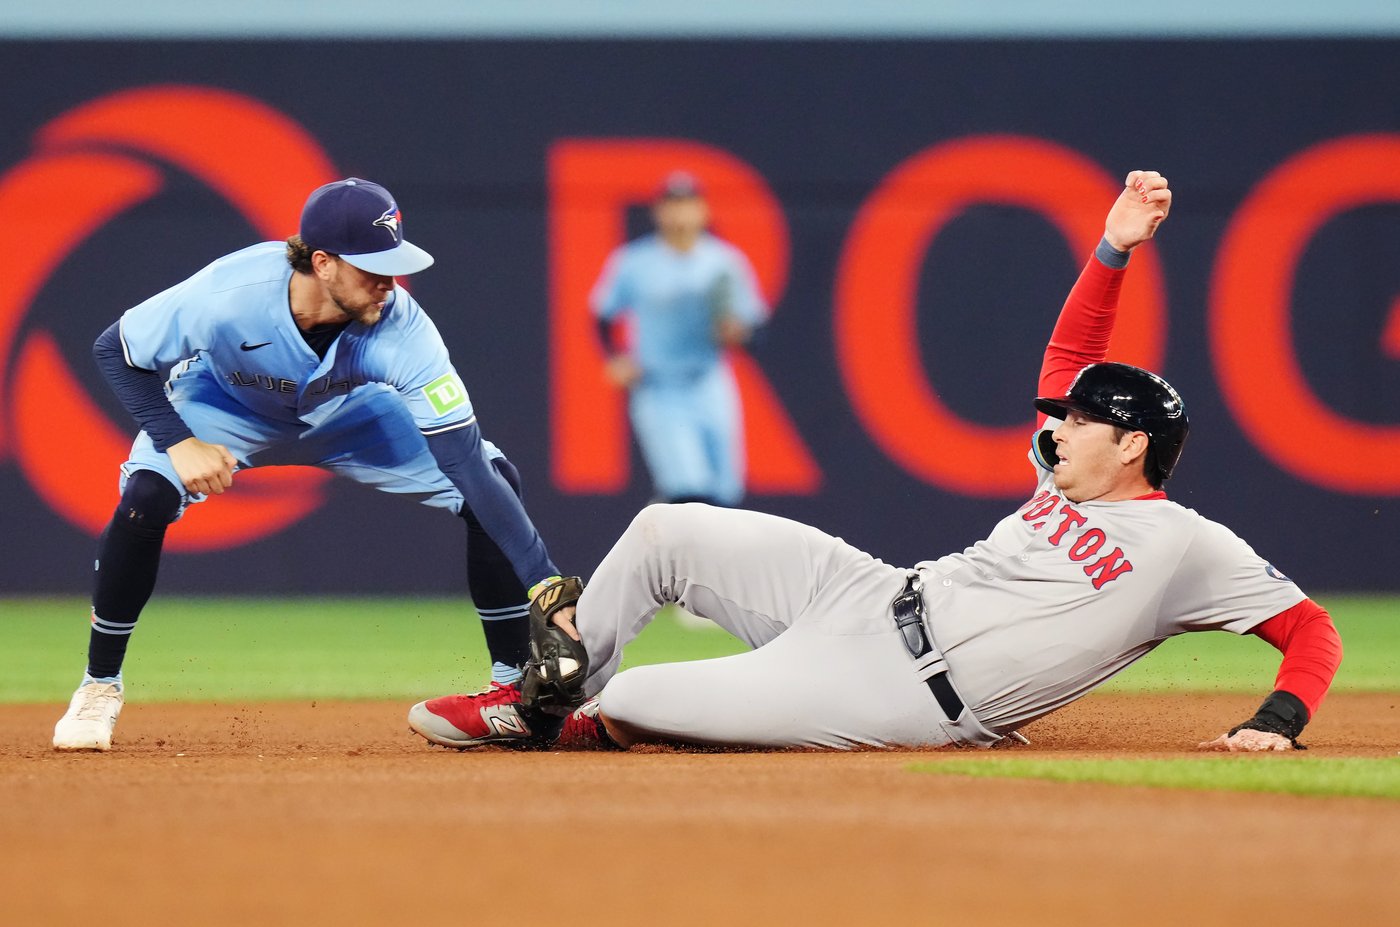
x: 253, y: 347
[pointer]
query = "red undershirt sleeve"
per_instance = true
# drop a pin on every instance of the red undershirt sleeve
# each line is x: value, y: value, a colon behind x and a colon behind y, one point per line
x: 1312, y: 651
x: 1084, y: 328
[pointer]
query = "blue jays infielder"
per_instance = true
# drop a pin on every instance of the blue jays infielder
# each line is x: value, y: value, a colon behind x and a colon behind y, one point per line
x: 690, y: 295
x: 299, y: 352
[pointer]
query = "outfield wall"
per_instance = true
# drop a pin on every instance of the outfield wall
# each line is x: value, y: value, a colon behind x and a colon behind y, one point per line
x: 916, y: 210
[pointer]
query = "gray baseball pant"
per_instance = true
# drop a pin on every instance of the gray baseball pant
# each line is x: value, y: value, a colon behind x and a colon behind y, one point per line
x: 828, y: 669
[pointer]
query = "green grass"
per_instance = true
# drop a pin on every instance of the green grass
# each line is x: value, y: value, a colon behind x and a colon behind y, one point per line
x: 1221, y: 662
x: 1291, y: 774
x: 210, y: 649
x: 206, y: 649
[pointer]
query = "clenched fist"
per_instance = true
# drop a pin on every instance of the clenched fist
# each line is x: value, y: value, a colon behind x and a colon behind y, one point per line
x: 1140, y: 208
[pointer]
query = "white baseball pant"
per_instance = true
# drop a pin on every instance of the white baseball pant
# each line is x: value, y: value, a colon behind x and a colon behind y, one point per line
x: 829, y: 668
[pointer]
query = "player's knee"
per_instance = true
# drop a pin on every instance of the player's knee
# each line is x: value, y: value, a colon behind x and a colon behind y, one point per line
x: 149, y: 501
x: 662, y: 524
x: 695, y: 497
x: 621, y: 733
x: 641, y: 706
x: 623, y: 700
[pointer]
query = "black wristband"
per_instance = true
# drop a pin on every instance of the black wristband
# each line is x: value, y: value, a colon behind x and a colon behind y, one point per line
x: 1110, y: 256
x: 1282, y: 713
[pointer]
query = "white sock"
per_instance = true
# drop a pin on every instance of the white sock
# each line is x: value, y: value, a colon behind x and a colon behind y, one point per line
x: 106, y: 680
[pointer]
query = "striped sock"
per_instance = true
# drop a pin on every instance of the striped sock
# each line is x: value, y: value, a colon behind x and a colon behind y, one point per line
x: 128, y: 558
x: 505, y: 675
x: 107, y: 647
x: 507, y: 631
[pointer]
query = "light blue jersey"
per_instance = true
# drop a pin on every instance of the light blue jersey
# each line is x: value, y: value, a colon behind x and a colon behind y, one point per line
x: 217, y: 365
x: 240, y: 374
x: 234, y: 315
x: 675, y: 298
x: 685, y: 410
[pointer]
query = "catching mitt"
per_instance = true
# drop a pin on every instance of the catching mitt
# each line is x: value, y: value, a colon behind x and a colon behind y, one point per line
x: 558, y: 663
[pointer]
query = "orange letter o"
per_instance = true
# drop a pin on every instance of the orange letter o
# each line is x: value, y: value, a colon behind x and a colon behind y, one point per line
x: 877, y: 343
x: 1250, y: 326
x: 92, y: 163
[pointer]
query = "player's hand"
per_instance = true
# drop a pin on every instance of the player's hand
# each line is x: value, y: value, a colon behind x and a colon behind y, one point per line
x: 205, y: 469
x: 1141, y: 207
x: 622, y: 370
x: 1248, y: 741
x: 564, y: 621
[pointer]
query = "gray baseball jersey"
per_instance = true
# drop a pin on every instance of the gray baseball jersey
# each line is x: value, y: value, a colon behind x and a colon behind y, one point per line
x: 1057, y: 599
x: 1062, y: 595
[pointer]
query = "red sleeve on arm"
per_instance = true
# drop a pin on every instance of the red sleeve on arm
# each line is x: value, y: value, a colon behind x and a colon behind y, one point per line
x: 1312, y: 650
x: 1082, y: 333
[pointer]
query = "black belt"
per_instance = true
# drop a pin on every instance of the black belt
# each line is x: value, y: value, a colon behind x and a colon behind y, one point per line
x: 908, y: 610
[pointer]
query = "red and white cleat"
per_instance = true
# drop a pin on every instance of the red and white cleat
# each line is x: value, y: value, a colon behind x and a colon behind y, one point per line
x: 491, y: 716
x: 583, y: 729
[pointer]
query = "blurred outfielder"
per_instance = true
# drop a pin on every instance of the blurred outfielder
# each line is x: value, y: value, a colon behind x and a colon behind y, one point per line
x: 689, y: 296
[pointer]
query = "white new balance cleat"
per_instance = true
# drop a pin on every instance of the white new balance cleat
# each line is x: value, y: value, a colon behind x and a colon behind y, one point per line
x: 91, y: 715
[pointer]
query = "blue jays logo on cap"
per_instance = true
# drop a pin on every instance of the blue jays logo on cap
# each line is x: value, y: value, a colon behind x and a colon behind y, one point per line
x: 390, y: 220
x: 344, y: 218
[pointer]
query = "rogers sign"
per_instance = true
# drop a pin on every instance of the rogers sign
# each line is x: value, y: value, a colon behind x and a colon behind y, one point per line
x: 875, y: 305
x: 102, y: 158
x: 88, y: 166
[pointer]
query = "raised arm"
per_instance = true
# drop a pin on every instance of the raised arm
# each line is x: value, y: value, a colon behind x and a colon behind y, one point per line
x: 1085, y: 325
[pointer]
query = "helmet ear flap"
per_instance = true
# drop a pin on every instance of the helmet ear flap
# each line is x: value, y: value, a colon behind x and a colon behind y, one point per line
x: 1044, y: 448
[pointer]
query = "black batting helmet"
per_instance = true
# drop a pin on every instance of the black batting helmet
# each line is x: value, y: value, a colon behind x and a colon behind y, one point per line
x: 1132, y: 398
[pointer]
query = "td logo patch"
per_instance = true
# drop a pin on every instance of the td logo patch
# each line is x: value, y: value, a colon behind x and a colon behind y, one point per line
x: 446, y: 393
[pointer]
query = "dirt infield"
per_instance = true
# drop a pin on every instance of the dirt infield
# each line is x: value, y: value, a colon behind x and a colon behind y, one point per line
x: 332, y: 814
